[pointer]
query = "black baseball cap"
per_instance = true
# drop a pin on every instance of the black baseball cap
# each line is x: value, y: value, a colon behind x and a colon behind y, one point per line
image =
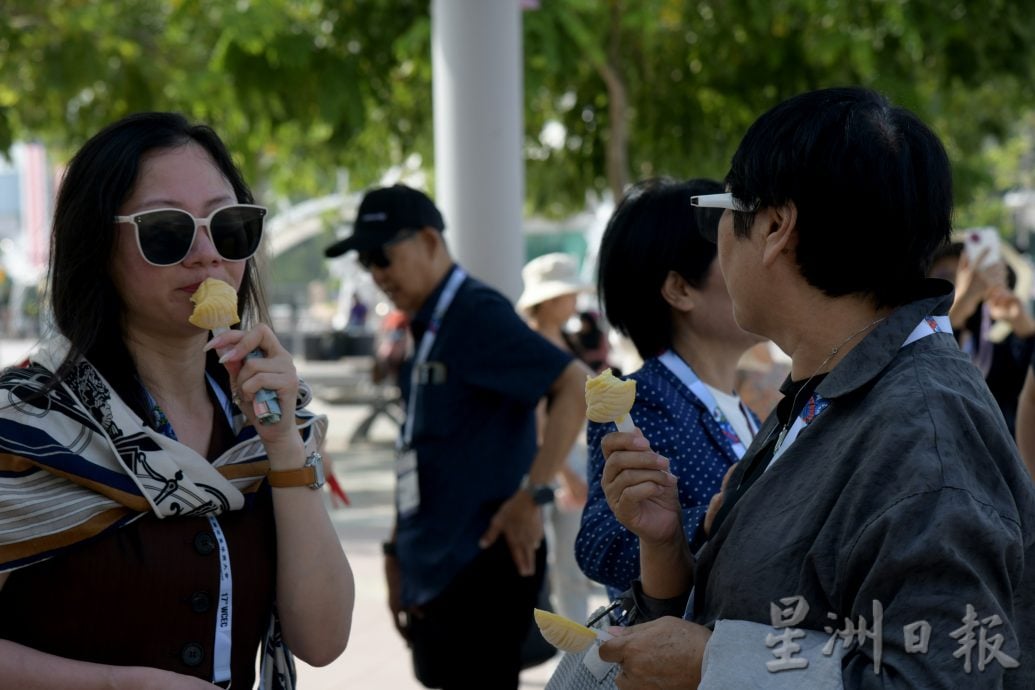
x: 383, y: 213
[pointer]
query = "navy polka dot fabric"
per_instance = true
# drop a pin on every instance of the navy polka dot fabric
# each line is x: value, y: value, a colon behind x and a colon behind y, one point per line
x: 680, y: 428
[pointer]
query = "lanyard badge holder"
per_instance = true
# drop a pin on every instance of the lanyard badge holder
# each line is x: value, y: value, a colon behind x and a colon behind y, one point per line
x: 407, y: 494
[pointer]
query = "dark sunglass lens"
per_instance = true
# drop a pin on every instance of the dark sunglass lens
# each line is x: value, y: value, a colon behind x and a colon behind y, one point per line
x: 236, y: 231
x: 707, y: 221
x: 165, y: 236
x: 374, y: 257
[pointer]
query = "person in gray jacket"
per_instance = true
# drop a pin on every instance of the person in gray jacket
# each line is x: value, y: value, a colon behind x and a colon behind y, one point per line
x: 880, y: 530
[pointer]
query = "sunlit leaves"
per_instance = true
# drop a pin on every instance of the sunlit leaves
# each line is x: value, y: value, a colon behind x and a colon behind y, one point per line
x: 303, y: 89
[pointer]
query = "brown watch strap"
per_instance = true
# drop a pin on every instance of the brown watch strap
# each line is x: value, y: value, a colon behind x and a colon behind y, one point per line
x: 303, y: 476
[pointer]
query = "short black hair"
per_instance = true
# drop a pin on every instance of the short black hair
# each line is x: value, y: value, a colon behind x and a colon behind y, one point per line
x: 871, y: 183
x: 654, y: 230
x: 86, y: 306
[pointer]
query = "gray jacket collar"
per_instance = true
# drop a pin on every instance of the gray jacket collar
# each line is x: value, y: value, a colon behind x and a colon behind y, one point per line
x: 881, y: 346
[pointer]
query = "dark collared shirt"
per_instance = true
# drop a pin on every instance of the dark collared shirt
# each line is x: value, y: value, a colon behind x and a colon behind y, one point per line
x: 474, y: 429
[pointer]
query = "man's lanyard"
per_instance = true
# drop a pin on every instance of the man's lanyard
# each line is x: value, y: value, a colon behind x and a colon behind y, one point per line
x: 424, y: 349
x: 224, y: 611
x: 686, y: 375
x: 817, y: 404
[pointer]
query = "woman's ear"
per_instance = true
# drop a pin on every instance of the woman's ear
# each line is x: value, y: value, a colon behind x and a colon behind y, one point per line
x: 783, y: 232
x: 677, y: 292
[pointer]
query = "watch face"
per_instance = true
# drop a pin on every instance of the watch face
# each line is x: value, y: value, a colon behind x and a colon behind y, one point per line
x: 316, y: 462
x: 542, y: 495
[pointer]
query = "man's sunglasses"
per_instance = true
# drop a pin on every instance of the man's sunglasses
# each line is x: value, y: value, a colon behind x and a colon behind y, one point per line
x: 165, y: 235
x: 724, y: 200
x: 707, y: 222
x: 377, y: 256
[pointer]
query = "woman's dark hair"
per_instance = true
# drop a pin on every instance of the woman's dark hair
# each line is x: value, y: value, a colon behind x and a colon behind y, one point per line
x: 870, y: 181
x: 654, y: 230
x: 86, y: 307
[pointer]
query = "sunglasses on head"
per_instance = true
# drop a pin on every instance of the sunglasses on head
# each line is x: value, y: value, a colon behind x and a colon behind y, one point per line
x: 377, y: 256
x: 165, y: 235
x: 724, y: 200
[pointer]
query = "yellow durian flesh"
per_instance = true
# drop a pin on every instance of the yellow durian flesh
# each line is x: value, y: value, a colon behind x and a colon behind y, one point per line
x: 608, y: 398
x: 564, y: 634
x: 215, y: 305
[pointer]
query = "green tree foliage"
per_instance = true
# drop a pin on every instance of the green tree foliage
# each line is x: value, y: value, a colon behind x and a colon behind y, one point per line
x: 696, y: 73
x: 615, y: 89
x: 299, y: 88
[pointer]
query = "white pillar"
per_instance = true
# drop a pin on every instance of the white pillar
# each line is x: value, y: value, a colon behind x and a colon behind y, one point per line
x: 478, y: 95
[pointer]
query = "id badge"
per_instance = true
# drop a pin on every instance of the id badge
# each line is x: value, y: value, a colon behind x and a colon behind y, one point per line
x: 407, y: 489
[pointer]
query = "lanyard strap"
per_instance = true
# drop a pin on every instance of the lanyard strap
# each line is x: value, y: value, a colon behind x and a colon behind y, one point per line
x: 424, y: 349
x: 816, y: 404
x: 224, y: 609
x: 929, y: 326
x: 224, y: 400
x: 688, y: 378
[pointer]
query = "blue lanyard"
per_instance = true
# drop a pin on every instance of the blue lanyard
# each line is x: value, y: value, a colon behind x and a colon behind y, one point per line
x: 222, y: 644
x: 424, y: 349
x: 161, y: 422
x: 688, y: 378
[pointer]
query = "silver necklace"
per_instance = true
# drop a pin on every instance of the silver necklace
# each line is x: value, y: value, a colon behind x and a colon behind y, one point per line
x: 833, y: 353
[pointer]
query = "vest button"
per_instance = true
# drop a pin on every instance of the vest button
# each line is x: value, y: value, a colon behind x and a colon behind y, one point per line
x: 204, y: 543
x: 192, y: 654
x: 199, y: 602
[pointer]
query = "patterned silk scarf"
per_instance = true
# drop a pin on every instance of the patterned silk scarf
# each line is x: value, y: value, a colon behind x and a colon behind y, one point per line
x: 76, y: 462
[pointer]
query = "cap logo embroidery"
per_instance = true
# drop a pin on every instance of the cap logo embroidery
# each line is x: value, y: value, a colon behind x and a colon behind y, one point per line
x: 375, y: 216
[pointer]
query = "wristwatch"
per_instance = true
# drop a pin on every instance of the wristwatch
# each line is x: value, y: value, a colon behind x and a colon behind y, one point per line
x: 541, y: 494
x: 310, y: 474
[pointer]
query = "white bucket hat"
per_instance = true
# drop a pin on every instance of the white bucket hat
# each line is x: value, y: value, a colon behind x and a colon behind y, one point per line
x: 549, y: 276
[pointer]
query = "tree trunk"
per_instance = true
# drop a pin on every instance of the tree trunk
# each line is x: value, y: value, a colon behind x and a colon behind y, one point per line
x: 617, y: 107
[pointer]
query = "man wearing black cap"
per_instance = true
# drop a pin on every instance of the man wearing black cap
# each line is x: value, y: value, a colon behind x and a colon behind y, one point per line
x: 469, y: 468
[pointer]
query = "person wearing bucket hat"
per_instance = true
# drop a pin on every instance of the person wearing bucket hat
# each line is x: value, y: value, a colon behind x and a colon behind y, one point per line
x: 470, y: 475
x: 547, y: 277
x: 551, y: 288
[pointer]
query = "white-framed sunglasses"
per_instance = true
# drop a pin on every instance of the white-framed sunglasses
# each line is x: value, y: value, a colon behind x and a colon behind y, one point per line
x: 724, y: 200
x: 165, y: 235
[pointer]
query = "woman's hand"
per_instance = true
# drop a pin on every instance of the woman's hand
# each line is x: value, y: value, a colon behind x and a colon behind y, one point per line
x: 274, y: 371
x: 640, y: 490
x: 974, y: 283
x: 1004, y: 304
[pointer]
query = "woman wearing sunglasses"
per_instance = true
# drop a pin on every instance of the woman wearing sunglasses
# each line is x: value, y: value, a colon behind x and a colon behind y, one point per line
x: 152, y: 533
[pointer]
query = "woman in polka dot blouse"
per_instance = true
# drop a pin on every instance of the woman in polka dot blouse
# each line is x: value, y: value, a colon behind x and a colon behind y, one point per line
x: 661, y: 286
